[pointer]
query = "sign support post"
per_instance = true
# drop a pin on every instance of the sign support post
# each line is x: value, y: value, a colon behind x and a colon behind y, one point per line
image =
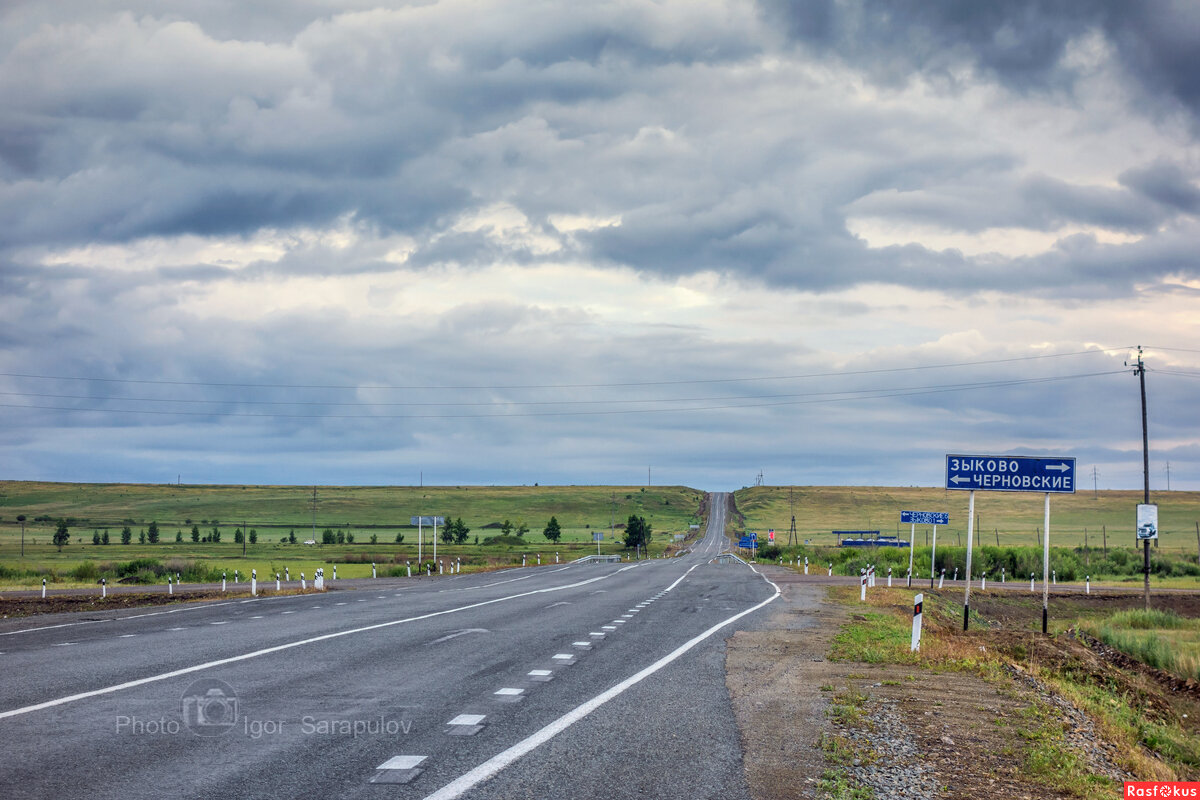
x: 970, y: 538
x: 1046, y: 568
x: 912, y: 543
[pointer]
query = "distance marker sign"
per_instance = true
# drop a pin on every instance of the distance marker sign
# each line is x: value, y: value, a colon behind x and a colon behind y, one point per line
x: 1011, y: 474
x: 925, y: 517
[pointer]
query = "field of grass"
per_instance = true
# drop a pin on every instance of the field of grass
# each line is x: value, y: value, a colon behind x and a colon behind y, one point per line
x: 1013, y: 518
x: 274, y: 512
x: 1162, y: 639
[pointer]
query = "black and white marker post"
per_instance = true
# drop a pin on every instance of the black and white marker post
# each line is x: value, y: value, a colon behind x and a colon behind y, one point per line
x: 918, y: 601
x: 1046, y: 568
x: 970, y: 535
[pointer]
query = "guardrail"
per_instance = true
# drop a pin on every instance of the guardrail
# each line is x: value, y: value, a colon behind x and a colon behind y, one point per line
x: 723, y: 557
x: 597, y: 560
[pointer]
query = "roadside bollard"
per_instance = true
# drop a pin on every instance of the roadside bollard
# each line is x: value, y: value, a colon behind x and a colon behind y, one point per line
x: 831, y: 569
x: 806, y: 565
x: 460, y: 561
x: 428, y: 571
x: 178, y: 579
x: 942, y: 577
x: 103, y: 587
x: 441, y: 570
x: 373, y: 573
x: 1031, y: 581
x: 335, y: 572
x: 277, y: 581
x: 254, y: 582
x: 1054, y: 576
x: 458, y: 569
x: 955, y: 574
x: 170, y: 588
x: 236, y: 577
x: 908, y: 576
x: 43, y: 588
x: 222, y: 581
x: 287, y: 574
x: 539, y: 559
x: 522, y: 559
x: 983, y: 582
x: 1087, y: 584
x: 889, y: 577
x: 408, y: 566
x: 916, y: 626
x: 1002, y: 574
x: 862, y: 584
x: 303, y: 583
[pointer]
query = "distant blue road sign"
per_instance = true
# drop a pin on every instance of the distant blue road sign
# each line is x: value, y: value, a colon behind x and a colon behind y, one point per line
x: 1011, y: 473
x: 427, y: 520
x: 925, y: 517
x: 748, y: 542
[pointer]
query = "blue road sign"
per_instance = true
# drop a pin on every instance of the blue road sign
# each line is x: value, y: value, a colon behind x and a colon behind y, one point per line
x: 1011, y: 473
x: 748, y: 542
x: 925, y: 517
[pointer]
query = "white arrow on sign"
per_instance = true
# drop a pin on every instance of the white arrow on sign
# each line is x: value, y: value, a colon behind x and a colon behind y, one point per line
x: 957, y: 479
x: 1059, y: 467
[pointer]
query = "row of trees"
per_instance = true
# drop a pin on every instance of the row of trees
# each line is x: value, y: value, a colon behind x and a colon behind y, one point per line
x: 637, y: 534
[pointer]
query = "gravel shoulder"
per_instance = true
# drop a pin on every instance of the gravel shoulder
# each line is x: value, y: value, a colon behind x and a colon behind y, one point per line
x: 902, y: 731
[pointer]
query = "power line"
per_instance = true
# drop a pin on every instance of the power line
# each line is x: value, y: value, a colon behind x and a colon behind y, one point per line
x: 842, y: 397
x: 356, y: 387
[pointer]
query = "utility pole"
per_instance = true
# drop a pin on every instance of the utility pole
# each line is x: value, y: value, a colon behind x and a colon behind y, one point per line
x: 1140, y: 371
x: 793, y: 537
x: 1168, y: 476
x: 1095, y: 484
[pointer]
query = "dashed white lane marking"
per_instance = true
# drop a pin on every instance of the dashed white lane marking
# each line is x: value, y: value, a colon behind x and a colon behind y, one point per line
x: 63, y: 644
x: 257, y: 616
x: 461, y: 785
x: 584, y: 645
x: 398, y: 769
x: 563, y: 657
x: 174, y: 629
x: 627, y: 616
x: 127, y: 635
x: 608, y: 627
x: 339, y: 604
x: 596, y: 635
x: 220, y: 622
x: 288, y: 612
x: 290, y: 645
x: 467, y: 719
x: 508, y: 691
x: 619, y: 621
x: 361, y: 600
x: 540, y: 673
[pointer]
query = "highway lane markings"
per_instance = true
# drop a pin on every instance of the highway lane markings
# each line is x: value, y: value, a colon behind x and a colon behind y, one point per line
x: 398, y: 769
x: 63, y: 644
x: 582, y: 645
x: 257, y: 616
x: 287, y: 612
x: 127, y: 636
x: 608, y: 627
x: 220, y: 622
x: 456, y: 634
x: 540, y: 674
x: 509, y: 694
x: 488, y: 769
x: 619, y: 621
x: 117, y: 619
x: 466, y: 724
x: 291, y: 645
x: 559, y: 603
x: 596, y: 635
x: 564, y: 658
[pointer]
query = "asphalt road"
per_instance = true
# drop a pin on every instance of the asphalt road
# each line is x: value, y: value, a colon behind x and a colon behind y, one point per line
x: 600, y: 681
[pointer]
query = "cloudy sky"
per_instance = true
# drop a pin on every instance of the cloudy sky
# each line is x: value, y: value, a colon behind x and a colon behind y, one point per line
x: 322, y: 241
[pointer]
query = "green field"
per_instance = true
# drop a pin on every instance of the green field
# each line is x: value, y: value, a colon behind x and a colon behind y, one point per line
x: 274, y: 512
x: 1012, y: 518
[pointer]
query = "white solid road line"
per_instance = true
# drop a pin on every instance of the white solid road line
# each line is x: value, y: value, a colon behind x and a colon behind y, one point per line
x: 290, y: 645
x: 488, y: 769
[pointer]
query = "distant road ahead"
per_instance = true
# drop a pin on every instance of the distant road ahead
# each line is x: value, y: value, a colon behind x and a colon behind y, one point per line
x: 603, y: 681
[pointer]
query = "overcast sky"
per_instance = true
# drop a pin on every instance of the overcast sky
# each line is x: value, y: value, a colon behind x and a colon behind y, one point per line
x: 310, y: 241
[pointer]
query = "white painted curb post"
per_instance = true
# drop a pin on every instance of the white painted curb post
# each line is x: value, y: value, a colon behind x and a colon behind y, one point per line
x: 862, y: 585
x: 1054, y: 577
x: 222, y: 581
x: 458, y: 569
x: 170, y: 588
x: 983, y: 582
x: 43, y: 588
x: 889, y: 577
x: 1031, y: 582
x: 428, y: 571
x: 408, y: 566
x: 522, y: 559
x: 373, y: 575
x: 1087, y: 584
x: 335, y: 572
x: 287, y: 574
x: 1002, y: 574
x: 806, y: 565
x: 942, y: 578
x: 918, y: 601
x: 831, y: 569
x: 277, y: 581
x: 555, y: 559
x: 236, y: 577
x: 303, y: 583
x: 254, y: 582
x: 103, y: 587
x: 539, y: 559
x: 955, y: 574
